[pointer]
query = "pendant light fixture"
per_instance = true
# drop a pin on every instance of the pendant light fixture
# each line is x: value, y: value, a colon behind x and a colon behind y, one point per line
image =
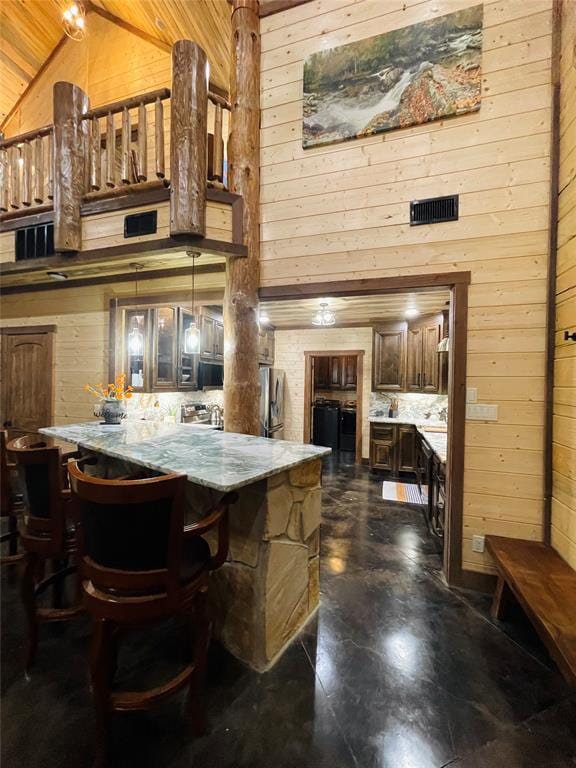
x: 135, y: 336
x: 324, y: 316
x: 192, y: 333
x: 74, y: 21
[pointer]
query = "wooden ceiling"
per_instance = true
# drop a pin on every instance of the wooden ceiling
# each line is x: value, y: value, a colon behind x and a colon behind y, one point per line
x: 350, y: 310
x: 31, y: 29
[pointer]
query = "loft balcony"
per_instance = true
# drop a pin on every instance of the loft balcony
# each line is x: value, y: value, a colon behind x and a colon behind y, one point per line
x: 143, y: 178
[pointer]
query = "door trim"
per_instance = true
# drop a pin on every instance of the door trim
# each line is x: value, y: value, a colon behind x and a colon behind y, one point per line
x: 22, y: 330
x: 308, y: 386
x: 457, y: 283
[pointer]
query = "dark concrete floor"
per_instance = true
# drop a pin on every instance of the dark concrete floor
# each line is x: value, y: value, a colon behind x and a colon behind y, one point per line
x: 396, y: 671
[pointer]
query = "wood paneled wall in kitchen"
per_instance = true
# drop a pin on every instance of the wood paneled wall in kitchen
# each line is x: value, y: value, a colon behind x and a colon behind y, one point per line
x: 564, y: 431
x: 289, y: 348
x: 342, y: 211
x: 81, y: 341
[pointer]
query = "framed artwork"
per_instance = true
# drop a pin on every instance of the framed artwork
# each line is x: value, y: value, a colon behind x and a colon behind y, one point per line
x: 405, y: 77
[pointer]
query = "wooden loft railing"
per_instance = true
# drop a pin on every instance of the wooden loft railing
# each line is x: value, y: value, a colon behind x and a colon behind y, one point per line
x: 119, y: 149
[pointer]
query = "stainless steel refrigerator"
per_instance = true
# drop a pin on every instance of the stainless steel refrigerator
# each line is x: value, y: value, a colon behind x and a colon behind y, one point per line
x: 272, y: 403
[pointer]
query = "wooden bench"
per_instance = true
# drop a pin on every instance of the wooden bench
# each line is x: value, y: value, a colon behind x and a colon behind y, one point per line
x: 545, y: 586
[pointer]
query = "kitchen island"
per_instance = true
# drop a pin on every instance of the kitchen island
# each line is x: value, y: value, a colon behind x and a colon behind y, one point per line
x: 269, y: 585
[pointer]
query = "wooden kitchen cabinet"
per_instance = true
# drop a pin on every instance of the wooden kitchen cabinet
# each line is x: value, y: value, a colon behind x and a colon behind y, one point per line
x: 389, y: 357
x: 348, y: 372
x: 393, y: 447
x: 321, y: 373
x: 211, y: 336
x: 335, y: 372
x: 406, y: 356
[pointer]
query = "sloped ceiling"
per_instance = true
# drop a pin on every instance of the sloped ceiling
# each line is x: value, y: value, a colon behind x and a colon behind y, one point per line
x: 31, y: 29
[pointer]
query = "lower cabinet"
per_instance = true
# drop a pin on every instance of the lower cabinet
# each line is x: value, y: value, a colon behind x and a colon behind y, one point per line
x: 393, y: 447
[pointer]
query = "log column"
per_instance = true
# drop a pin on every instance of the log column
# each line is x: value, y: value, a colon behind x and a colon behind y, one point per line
x: 188, y: 132
x: 241, y: 378
x: 70, y: 151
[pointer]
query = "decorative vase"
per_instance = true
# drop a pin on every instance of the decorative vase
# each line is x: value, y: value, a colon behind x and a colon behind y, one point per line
x: 112, y: 411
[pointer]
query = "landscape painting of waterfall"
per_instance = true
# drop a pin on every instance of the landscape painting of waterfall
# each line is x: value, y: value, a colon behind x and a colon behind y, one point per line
x: 405, y: 77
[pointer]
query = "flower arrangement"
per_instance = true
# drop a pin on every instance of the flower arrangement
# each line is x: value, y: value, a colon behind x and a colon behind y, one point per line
x: 116, y: 391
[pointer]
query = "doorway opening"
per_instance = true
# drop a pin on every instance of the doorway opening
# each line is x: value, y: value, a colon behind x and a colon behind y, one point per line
x: 393, y: 375
x: 333, y: 400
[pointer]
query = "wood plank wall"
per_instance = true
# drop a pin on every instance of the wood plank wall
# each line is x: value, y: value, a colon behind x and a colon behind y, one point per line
x: 564, y: 431
x: 289, y: 348
x: 341, y: 212
x: 81, y: 342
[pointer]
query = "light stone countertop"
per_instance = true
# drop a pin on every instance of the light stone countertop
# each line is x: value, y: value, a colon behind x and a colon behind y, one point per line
x: 436, y: 440
x: 220, y: 460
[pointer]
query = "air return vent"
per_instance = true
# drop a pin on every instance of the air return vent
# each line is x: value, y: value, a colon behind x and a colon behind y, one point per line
x: 141, y: 224
x: 35, y: 242
x: 434, y: 210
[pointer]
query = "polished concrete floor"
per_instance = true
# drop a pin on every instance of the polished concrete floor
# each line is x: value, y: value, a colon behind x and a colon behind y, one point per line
x: 396, y: 671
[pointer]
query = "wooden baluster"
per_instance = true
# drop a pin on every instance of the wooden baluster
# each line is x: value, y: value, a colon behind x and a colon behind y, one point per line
x: 142, y: 144
x: 95, y: 157
x: 39, y: 169
x: 14, y: 177
x: 125, y: 160
x: 159, y: 131
x: 27, y: 174
x: 4, y: 180
x: 218, y: 146
x: 110, y: 151
x: 50, y: 167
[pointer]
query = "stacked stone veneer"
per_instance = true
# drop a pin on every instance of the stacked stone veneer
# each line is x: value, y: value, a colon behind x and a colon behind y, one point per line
x: 270, y: 584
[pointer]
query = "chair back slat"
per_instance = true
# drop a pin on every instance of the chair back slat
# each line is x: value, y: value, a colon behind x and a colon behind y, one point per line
x: 131, y: 532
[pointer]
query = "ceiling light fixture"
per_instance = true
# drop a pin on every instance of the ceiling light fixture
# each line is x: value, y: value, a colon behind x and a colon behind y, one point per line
x: 57, y: 275
x: 263, y: 318
x: 411, y: 312
x: 324, y: 316
x: 192, y: 333
x: 74, y: 21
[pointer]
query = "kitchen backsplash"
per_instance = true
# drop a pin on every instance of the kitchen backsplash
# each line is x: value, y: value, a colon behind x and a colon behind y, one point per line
x: 410, y: 404
x: 165, y: 406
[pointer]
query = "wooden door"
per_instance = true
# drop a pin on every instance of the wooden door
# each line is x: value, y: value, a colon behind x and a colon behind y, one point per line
x: 389, y: 356
x: 27, y: 378
x: 432, y: 333
x: 414, y: 359
x: 348, y: 372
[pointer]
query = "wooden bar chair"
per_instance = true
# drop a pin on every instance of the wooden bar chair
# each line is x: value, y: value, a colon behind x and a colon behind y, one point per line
x: 10, y: 505
x: 140, y: 565
x: 47, y: 532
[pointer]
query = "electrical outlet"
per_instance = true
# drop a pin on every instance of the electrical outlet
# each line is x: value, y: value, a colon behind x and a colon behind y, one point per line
x: 481, y: 412
x: 471, y: 394
x: 478, y: 543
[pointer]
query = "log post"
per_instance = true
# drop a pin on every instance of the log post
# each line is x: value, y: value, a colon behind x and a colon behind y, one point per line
x: 70, y: 152
x: 241, y: 377
x: 188, y: 129
x: 159, y: 138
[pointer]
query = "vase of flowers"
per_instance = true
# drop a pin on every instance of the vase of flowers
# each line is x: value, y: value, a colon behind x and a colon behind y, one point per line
x: 112, y: 406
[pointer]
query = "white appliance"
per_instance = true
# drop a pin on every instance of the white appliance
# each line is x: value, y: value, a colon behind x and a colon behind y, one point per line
x: 272, y: 403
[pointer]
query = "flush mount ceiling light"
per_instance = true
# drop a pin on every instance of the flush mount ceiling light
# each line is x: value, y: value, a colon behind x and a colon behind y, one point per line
x: 74, y: 21
x: 191, y: 343
x: 324, y: 316
x: 263, y: 318
x: 411, y: 312
x: 57, y: 275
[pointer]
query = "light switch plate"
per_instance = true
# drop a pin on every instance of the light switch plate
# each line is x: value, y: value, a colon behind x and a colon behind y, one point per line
x: 471, y: 394
x: 481, y: 412
x: 478, y: 543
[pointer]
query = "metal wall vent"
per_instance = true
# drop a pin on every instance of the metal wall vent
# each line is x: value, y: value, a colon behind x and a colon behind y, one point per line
x: 35, y: 242
x: 141, y: 224
x: 434, y: 210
